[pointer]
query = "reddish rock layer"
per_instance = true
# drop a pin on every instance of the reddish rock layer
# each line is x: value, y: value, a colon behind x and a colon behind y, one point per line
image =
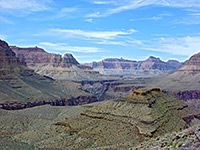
x: 7, y: 56
x: 21, y: 87
x: 9, y: 63
x: 194, y: 60
x: 80, y: 100
x: 34, y: 56
x: 183, y: 83
x: 150, y: 63
x: 54, y: 65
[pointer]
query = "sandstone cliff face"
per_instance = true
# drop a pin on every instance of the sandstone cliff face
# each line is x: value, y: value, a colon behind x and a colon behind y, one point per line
x: 9, y: 63
x: 192, y: 66
x: 7, y: 56
x: 54, y: 65
x: 37, y: 56
x: 194, y: 60
x: 150, y: 67
x: 21, y: 87
x: 183, y: 83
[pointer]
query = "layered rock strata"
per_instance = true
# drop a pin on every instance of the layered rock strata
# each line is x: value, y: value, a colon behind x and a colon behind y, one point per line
x: 148, y: 68
x: 183, y: 83
x: 21, y: 87
x: 55, y: 66
x: 116, y: 124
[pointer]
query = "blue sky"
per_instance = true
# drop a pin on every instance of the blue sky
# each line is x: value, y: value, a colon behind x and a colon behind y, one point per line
x: 96, y: 29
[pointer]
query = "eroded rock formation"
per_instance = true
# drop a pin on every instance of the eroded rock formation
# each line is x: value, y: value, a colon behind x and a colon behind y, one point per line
x: 119, y: 123
x: 150, y: 67
x: 55, y: 66
x: 183, y: 83
x: 21, y: 87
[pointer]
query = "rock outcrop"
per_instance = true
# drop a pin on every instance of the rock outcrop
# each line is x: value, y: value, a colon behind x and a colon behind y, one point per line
x: 107, y: 90
x: 116, y: 124
x: 36, y: 56
x: 21, y: 87
x: 148, y: 68
x: 9, y: 63
x: 187, y: 139
x: 183, y: 83
x: 73, y: 101
x: 54, y: 65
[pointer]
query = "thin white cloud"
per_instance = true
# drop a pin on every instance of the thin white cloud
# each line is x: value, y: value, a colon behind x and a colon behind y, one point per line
x: 129, y: 5
x: 154, y: 18
x: 193, y: 10
x: 107, y: 42
x: 102, y: 2
x: 3, y: 37
x: 178, y: 46
x: 195, y: 14
x: 65, y: 47
x: 68, y: 33
x: 94, y: 15
x: 192, y: 19
x: 5, y: 20
x: 125, y: 42
x: 64, y: 12
x: 89, y: 20
x: 26, y: 6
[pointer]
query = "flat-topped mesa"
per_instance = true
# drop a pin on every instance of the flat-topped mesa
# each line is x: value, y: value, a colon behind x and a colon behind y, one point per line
x: 143, y: 96
x: 145, y: 92
x: 35, y: 56
x: 55, y: 66
x: 29, y: 49
x: 150, y: 67
x: 21, y: 87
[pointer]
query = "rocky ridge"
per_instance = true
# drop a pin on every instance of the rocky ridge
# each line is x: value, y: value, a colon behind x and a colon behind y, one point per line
x: 114, y: 124
x: 9, y: 63
x: 55, y: 66
x: 21, y: 87
x: 183, y: 83
x: 187, y: 139
x: 148, y: 68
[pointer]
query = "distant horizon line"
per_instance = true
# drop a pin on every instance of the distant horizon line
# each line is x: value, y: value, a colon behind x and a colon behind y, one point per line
x: 119, y: 58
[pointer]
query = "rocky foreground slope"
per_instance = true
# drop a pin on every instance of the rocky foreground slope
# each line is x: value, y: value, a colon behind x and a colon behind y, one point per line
x: 122, y: 67
x: 120, y: 123
x: 21, y: 87
x: 187, y: 139
x: 55, y: 66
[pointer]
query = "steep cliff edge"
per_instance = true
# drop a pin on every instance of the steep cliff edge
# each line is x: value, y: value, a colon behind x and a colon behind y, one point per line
x: 21, y: 87
x: 55, y: 66
x: 148, y: 68
x: 183, y: 83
